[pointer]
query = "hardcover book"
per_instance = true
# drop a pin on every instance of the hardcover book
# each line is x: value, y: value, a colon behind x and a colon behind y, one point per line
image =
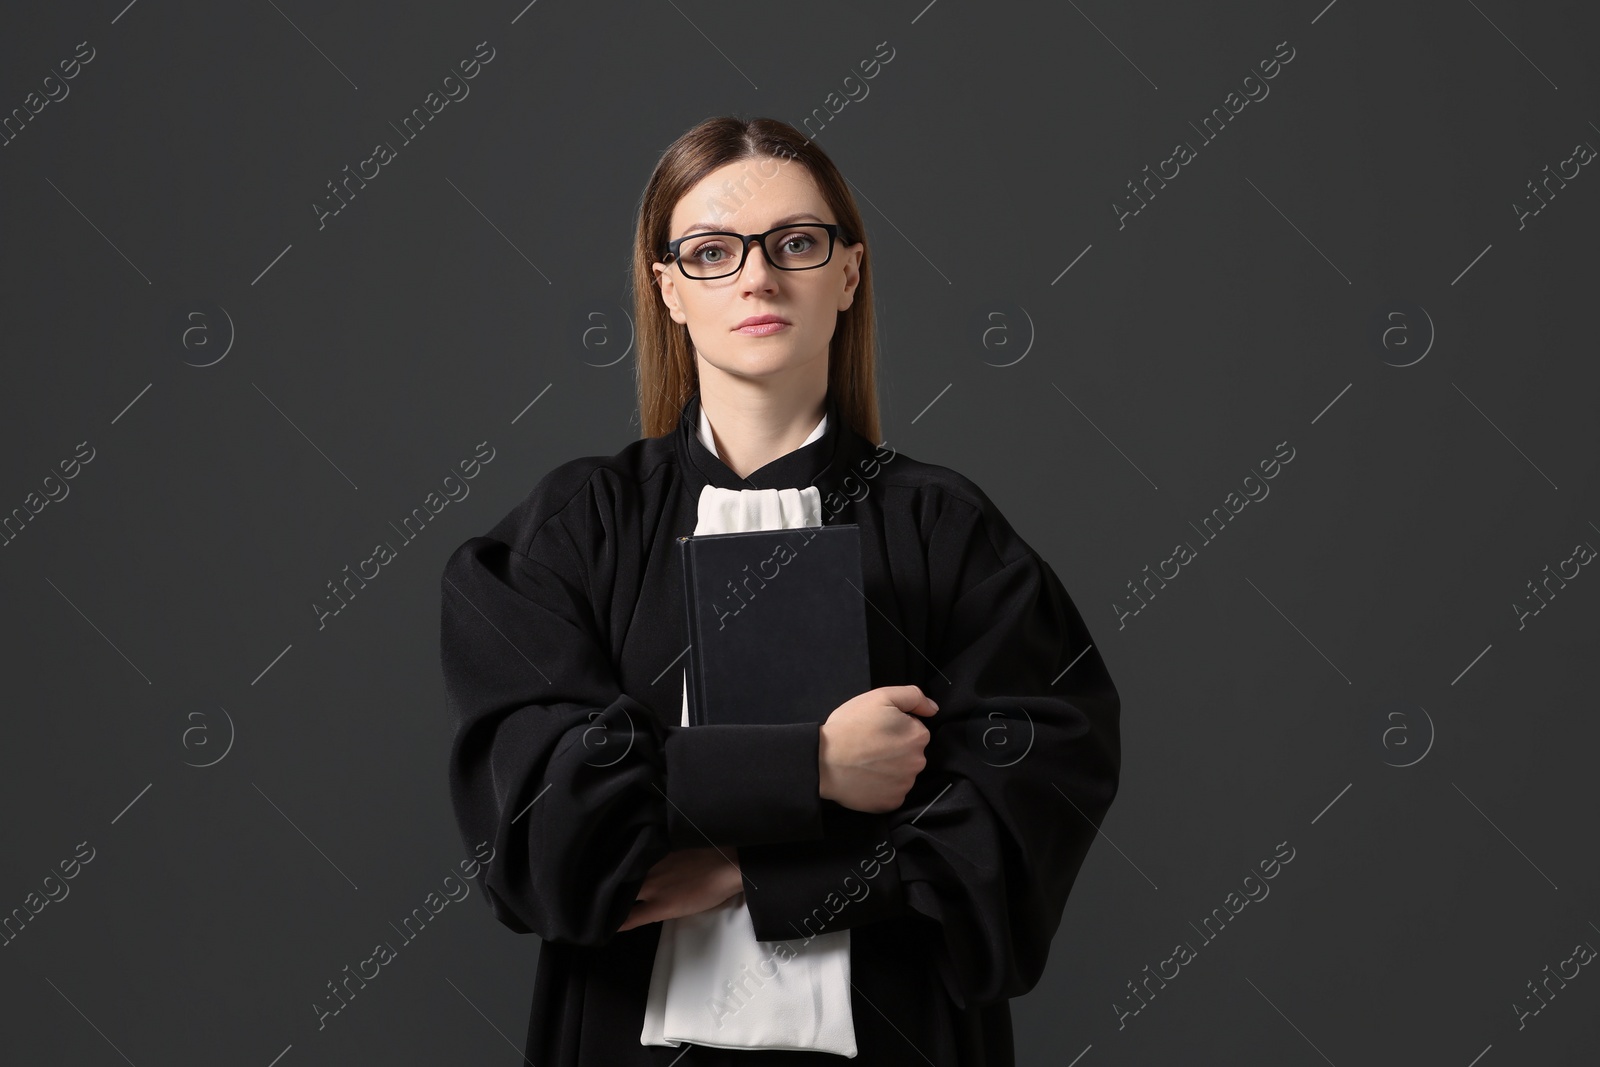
x: 777, y: 624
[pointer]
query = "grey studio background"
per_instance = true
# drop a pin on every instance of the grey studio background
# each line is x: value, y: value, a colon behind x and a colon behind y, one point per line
x: 1374, y: 267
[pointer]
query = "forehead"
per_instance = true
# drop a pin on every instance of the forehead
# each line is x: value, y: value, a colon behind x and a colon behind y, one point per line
x: 747, y: 194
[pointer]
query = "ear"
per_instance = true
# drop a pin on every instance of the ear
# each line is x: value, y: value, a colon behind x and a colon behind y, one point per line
x: 668, y: 284
x: 852, y: 273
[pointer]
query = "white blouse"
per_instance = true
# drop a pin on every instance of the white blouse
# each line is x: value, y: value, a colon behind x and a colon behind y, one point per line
x: 713, y: 983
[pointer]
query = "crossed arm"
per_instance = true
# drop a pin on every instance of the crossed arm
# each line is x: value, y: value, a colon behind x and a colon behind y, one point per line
x: 869, y: 752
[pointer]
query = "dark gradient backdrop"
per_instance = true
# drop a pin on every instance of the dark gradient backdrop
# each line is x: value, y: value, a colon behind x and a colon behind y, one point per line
x: 1131, y: 259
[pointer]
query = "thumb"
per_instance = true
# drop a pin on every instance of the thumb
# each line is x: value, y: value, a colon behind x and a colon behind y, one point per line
x: 910, y: 698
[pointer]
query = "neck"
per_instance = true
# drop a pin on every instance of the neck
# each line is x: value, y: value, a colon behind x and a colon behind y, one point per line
x: 755, y: 422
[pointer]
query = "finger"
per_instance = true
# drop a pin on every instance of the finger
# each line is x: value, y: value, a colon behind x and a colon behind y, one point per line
x: 908, y: 698
x: 914, y: 701
x: 636, y: 917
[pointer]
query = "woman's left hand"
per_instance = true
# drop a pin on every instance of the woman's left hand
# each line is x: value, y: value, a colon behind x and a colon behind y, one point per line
x: 686, y: 881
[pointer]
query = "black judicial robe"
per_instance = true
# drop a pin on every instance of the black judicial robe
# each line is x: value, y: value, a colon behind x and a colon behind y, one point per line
x: 563, y: 641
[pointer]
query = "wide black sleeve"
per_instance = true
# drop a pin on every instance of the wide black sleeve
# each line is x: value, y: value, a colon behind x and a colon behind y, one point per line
x: 580, y: 787
x: 1022, y: 764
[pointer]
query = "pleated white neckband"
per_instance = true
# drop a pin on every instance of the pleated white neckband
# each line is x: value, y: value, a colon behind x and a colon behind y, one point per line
x: 713, y: 983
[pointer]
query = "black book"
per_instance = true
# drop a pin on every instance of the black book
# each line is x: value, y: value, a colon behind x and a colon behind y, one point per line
x: 777, y: 624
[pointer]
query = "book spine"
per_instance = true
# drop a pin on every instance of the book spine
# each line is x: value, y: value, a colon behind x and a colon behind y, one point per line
x: 859, y: 623
x: 692, y: 614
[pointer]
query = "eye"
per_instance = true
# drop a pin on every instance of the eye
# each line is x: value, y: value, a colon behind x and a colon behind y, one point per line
x: 705, y: 249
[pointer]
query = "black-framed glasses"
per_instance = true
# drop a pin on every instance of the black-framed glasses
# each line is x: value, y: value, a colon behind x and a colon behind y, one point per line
x: 798, y: 246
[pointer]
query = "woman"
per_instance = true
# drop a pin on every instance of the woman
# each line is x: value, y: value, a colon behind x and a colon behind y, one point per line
x: 938, y: 820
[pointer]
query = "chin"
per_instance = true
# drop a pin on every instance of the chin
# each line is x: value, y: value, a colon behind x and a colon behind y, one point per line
x: 755, y: 357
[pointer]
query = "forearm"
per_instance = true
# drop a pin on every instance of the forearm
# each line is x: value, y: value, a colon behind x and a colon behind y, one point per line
x: 801, y: 889
x: 743, y: 784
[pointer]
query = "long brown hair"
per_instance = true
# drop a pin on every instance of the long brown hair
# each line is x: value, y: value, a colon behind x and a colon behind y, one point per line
x: 666, y: 374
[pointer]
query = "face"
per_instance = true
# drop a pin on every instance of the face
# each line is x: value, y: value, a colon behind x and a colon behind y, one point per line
x: 747, y: 197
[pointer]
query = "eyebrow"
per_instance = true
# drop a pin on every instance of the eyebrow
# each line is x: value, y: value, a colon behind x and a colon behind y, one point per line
x: 700, y: 226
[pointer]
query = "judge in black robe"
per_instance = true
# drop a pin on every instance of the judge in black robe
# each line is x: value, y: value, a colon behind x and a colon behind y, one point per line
x: 563, y: 640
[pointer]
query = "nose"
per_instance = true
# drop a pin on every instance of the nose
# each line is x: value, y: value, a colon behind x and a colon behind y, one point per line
x: 756, y: 273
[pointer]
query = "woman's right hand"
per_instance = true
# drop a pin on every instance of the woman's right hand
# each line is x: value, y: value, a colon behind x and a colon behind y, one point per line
x: 871, y: 749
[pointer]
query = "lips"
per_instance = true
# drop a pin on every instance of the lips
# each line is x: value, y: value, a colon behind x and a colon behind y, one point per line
x: 770, y: 321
